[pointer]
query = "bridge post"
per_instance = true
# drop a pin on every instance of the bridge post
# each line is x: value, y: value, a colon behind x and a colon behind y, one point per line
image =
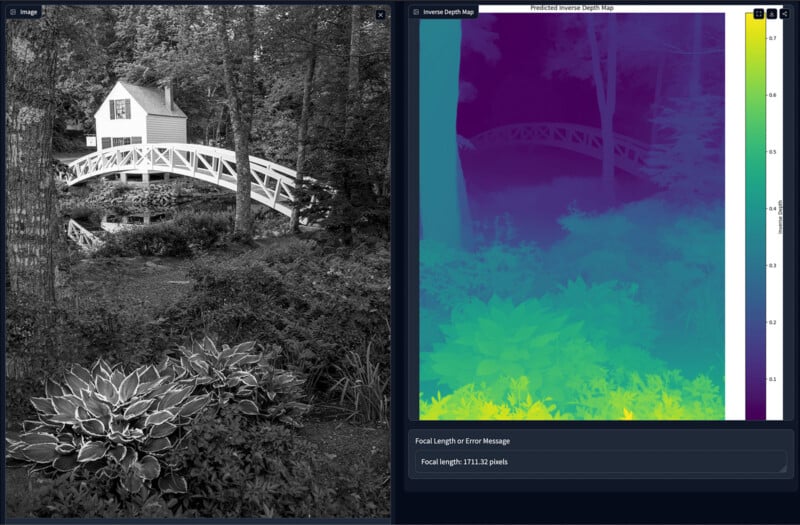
x: 146, y: 177
x: 123, y: 178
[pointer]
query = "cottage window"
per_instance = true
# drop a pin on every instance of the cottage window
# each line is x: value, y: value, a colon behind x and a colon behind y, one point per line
x: 107, y: 142
x: 120, y: 109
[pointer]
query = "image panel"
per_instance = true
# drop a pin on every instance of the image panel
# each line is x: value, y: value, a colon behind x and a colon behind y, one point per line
x: 197, y: 253
x: 572, y: 214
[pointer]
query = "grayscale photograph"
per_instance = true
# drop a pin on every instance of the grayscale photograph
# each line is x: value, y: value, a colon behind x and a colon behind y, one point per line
x: 197, y: 261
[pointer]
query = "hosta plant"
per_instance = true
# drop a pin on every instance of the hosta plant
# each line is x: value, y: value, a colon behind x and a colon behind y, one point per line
x: 242, y: 377
x: 104, y: 422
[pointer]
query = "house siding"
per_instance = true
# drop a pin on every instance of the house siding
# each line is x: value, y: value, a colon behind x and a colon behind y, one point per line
x: 165, y: 129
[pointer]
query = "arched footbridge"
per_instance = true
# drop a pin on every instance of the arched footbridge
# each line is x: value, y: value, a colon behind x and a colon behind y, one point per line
x: 271, y: 184
x: 630, y: 155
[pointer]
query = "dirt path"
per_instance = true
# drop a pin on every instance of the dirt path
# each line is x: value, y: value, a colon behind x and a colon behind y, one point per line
x: 153, y: 283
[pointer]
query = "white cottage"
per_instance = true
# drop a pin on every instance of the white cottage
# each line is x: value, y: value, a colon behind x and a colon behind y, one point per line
x: 133, y: 114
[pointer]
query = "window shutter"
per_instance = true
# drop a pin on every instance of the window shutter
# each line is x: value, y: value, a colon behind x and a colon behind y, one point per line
x: 127, y: 108
x: 111, y: 108
x: 106, y: 143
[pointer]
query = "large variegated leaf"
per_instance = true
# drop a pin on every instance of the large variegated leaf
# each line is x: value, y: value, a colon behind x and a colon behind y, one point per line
x: 32, y: 438
x: 119, y: 438
x: 117, y: 377
x: 157, y: 445
x: 248, y: 407
x: 51, y: 388
x: 193, y: 405
x: 138, y: 408
x: 66, y: 404
x: 245, y: 348
x: 174, y: 398
x: 117, y: 452
x: 147, y: 374
x: 75, y: 384
x: 249, y: 360
x: 41, y: 452
x: 82, y: 373
x: 156, y: 418
x: 162, y: 430
x: 106, y: 390
x: 172, y: 483
x: 43, y: 405
x: 93, y: 427
x: 128, y: 387
x: 66, y: 463
x: 91, y: 451
x: 132, y: 481
x: 148, y: 468
x: 96, y: 406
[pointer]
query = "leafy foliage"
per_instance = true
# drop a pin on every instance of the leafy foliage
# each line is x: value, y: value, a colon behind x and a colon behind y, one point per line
x: 317, y: 301
x: 665, y: 396
x: 247, y: 380
x: 364, y: 386
x: 187, y: 233
x: 674, y: 256
x: 240, y: 467
x: 494, y: 340
x: 690, y: 161
x: 104, y: 422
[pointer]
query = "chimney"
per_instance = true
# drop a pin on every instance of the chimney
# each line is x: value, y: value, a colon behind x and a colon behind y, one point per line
x: 168, y: 95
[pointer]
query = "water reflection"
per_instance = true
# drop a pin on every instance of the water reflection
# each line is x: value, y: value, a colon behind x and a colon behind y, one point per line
x: 114, y: 222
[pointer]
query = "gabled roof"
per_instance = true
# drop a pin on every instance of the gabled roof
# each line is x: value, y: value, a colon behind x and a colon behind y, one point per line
x: 152, y: 100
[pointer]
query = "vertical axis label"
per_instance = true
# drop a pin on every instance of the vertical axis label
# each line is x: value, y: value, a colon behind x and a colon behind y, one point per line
x: 756, y: 217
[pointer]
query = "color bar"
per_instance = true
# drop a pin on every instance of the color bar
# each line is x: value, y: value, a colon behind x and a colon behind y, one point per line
x: 756, y: 217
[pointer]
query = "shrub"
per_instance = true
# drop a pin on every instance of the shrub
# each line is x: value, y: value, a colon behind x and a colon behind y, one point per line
x: 241, y: 467
x: 486, y: 342
x: 242, y: 378
x: 66, y: 497
x: 319, y: 304
x: 180, y: 237
x: 107, y: 423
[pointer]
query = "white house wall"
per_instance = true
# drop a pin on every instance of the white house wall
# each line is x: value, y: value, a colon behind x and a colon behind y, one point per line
x: 165, y: 129
x: 136, y: 126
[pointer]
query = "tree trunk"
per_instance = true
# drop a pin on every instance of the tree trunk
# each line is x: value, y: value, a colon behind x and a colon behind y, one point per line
x: 695, y: 78
x: 30, y: 187
x: 302, y: 128
x: 348, y: 171
x: 606, y: 96
x: 352, y: 70
x: 240, y: 107
x: 441, y: 193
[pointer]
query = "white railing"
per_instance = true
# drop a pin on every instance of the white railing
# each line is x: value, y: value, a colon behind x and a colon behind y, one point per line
x: 629, y: 155
x: 83, y: 237
x: 271, y: 184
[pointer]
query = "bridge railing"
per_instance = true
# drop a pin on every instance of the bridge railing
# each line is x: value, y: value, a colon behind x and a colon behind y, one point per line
x: 83, y: 237
x: 629, y: 154
x: 271, y: 184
